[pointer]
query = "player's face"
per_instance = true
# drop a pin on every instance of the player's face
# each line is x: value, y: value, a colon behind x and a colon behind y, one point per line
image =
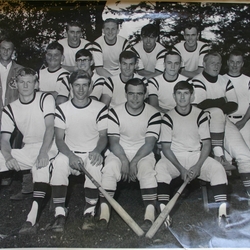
x: 26, y: 86
x: 235, y: 64
x: 6, y: 50
x: 135, y: 97
x: 213, y: 65
x: 54, y: 58
x: 110, y: 31
x: 81, y: 89
x: 84, y: 63
x: 172, y: 65
x: 183, y: 98
x: 149, y: 43
x: 191, y: 36
x: 127, y: 66
x: 74, y: 34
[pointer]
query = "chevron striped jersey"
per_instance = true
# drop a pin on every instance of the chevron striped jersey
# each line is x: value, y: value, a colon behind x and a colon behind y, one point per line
x: 28, y: 117
x: 132, y: 129
x: 185, y: 132
x: 98, y: 83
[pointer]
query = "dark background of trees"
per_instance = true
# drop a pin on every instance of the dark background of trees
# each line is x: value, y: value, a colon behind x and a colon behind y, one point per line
x: 33, y: 24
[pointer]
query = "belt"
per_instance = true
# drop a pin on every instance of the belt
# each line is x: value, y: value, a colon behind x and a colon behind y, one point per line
x: 236, y: 116
x: 77, y: 152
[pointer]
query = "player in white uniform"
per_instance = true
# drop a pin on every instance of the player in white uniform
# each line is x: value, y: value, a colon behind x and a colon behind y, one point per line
x: 114, y: 87
x: 108, y: 48
x: 81, y: 136
x: 133, y: 129
x: 54, y: 79
x: 183, y: 130
x: 160, y: 88
x: 150, y: 52
x: 33, y: 114
x: 215, y: 93
x: 192, y: 52
x: 72, y: 43
x: 241, y: 84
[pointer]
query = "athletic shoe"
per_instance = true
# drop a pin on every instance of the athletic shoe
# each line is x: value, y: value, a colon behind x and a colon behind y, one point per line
x: 27, y: 228
x: 89, y: 222
x: 58, y: 225
x: 146, y: 225
x: 168, y: 222
x: 21, y: 196
x: 102, y: 224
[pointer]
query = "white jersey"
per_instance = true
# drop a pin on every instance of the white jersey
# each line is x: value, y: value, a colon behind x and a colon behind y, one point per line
x: 205, y: 89
x: 98, y: 83
x: 133, y: 129
x: 28, y: 117
x: 81, y: 125
x: 192, y: 60
x: 58, y: 80
x: 242, y: 88
x: 164, y: 90
x: 151, y: 61
x: 185, y: 140
x: 114, y: 87
x: 107, y: 56
x: 69, y: 52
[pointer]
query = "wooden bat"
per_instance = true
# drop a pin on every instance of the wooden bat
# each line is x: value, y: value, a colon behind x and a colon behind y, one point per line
x: 165, y: 212
x: 117, y: 207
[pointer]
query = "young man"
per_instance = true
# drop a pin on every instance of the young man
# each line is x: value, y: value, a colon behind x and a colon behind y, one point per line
x: 160, y: 88
x: 192, y: 51
x: 54, y: 79
x: 113, y: 89
x: 84, y: 61
x: 72, y: 43
x: 133, y: 129
x: 81, y: 136
x: 216, y: 94
x: 108, y: 48
x: 183, y: 130
x: 33, y: 115
x: 150, y: 52
x: 241, y: 85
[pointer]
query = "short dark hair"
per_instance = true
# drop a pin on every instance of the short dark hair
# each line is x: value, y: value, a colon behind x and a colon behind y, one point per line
x: 211, y: 53
x: 111, y: 20
x: 55, y: 45
x: 8, y: 40
x: 74, y: 23
x: 150, y: 30
x: 83, y: 52
x: 136, y: 82
x: 127, y: 54
x: 80, y: 74
x: 171, y: 52
x: 189, y: 26
x: 27, y: 71
x: 236, y: 53
x: 184, y: 85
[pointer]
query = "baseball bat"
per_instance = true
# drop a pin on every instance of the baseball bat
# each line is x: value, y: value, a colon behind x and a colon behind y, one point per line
x: 117, y: 207
x: 165, y: 212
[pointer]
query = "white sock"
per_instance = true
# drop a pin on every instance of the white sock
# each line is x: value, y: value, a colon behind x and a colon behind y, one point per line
x: 60, y: 211
x: 33, y: 213
x: 162, y: 206
x: 218, y: 151
x: 105, y: 213
x: 150, y: 213
x: 223, y: 209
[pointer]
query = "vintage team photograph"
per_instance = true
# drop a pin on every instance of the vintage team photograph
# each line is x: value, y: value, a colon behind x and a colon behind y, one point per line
x: 124, y: 124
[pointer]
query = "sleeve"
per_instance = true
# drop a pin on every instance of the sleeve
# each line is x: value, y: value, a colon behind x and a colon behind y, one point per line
x: 230, y: 92
x: 200, y: 92
x: 8, y: 123
x: 166, y: 129
x: 60, y: 119
x: 98, y: 88
x: 176, y: 48
x: 153, y: 87
x: 62, y: 84
x: 203, y: 125
x: 97, y: 54
x: 160, y: 60
x: 47, y: 104
x: 102, y: 118
x: 108, y: 87
x: 113, y: 124
x: 154, y: 125
x: 203, y: 51
x: 140, y: 65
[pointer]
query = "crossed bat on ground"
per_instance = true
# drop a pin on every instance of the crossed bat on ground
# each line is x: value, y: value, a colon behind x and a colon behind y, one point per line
x: 127, y: 218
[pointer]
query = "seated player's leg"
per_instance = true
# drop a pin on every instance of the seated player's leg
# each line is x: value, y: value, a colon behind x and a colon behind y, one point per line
x: 111, y: 174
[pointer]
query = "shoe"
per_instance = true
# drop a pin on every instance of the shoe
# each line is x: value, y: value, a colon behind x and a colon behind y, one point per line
x: 146, y: 225
x: 27, y: 228
x: 102, y: 224
x: 225, y: 163
x: 58, y: 225
x: 89, y: 223
x: 168, y: 222
x: 223, y: 222
x: 6, y: 181
x: 21, y: 196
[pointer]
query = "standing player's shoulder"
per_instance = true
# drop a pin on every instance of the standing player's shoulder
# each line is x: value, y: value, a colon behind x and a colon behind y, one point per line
x: 152, y: 109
